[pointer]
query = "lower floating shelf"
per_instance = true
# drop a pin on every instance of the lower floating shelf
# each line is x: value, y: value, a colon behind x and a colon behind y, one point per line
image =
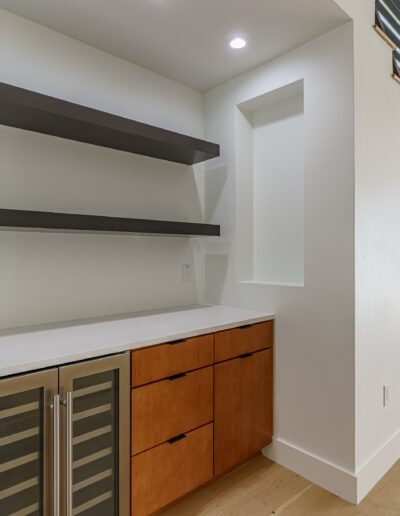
x: 48, y: 221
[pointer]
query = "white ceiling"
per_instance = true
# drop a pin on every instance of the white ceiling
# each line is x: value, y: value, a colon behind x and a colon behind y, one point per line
x: 186, y: 39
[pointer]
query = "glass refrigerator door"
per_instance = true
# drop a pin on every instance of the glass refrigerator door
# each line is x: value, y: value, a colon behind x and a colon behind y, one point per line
x: 95, y: 435
x: 28, y: 443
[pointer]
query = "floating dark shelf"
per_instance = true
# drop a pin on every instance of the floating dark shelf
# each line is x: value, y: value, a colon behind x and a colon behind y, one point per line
x: 48, y: 115
x: 42, y: 220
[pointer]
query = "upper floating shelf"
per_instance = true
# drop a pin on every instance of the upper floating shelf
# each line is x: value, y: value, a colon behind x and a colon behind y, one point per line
x: 33, y: 111
x: 49, y: 221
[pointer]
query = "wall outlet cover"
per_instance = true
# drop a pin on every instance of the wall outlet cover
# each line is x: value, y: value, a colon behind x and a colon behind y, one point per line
x: 385, y: 395
x: 187, y: 272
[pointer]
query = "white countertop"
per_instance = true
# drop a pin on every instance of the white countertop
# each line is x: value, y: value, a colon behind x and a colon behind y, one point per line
x: 39, y: 348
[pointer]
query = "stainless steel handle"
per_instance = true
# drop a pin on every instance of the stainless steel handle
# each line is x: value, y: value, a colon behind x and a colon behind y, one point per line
x: 55, y: 406
x: 69, y: 408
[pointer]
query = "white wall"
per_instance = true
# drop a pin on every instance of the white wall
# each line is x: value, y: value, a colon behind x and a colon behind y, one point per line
x: 53, y: 277
x: 314, y: 350
x: 377, y: 115
x: 279, y: 193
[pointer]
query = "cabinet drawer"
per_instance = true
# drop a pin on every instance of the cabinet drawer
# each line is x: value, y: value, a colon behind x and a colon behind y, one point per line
x: 155, y: 363
x: 246, y: 339
x: 164, y: 409
x: 167, y: 472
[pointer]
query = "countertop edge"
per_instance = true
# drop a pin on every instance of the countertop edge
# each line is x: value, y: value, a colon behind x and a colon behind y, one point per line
x: 69, y: 358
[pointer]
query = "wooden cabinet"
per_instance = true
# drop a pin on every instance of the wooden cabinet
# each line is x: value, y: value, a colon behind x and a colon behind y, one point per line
x: 164, y: 409
x: 155, y: 363
x: 172, y: 421
x: 167, y: 472
x: 199, y: 407
x: 243, y: 409
x: 245, y: 339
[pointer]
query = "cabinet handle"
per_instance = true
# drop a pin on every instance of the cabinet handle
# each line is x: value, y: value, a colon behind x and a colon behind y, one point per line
x: 246, y: 355
x: 55, y: 407
x: 176, y: 376
x: 244, y: 327
x: 179, y: 341
x: 177, y: 438
x: 69, y: 407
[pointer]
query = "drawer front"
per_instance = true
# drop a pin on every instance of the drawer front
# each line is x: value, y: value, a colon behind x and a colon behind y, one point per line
x: 155, y: 363
x: 167, y: 472
x: 246, y: 339
x: 164, y: 409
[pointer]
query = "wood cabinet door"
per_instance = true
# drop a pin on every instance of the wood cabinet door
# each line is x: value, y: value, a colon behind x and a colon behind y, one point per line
x: 242, y: 409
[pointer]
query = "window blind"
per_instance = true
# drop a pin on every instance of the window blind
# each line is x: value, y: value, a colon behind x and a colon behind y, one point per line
x: 396, y: 65
x: 387, y: 24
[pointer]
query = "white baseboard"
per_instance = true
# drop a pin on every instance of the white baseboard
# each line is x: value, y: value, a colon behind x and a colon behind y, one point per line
x: 369, y: 474
x: 329, y: 476
x: 349, y: 486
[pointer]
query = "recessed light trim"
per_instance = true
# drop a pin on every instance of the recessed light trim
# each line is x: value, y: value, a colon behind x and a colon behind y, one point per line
x: 237, y: 43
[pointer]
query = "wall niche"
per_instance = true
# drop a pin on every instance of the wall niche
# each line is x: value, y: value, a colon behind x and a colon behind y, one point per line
x: 269, y: 132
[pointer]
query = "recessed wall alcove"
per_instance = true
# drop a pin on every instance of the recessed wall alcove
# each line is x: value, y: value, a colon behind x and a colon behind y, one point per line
x: 270, y: 187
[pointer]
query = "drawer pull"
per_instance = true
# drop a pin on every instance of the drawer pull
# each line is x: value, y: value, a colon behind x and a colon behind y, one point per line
x: 176, y: 376
x: 177, y: 438
x: 245, y: 327
x: 246, y: 355
x: 179, y: 341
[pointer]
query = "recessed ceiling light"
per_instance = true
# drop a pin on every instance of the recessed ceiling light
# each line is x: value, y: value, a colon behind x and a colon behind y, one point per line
x: 237, y: 43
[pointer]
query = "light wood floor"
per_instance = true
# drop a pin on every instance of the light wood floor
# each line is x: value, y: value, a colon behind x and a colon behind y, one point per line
x: 261, y: 487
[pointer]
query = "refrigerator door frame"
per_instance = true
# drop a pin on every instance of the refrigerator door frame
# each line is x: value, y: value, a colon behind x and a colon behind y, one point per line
x: 67, y: 374
x: 48, y: 380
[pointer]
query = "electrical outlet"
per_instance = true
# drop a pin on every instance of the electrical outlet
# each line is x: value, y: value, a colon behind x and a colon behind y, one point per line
x: 385, y: 395
x: 187, y: 272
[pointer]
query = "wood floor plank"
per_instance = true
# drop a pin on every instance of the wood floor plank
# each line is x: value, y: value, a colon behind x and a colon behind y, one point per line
x: 263, y: 488
x: 257, y: 487
x: 315, y: 501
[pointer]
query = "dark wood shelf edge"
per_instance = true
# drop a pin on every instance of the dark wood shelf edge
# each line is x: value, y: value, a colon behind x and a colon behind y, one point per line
x: 32, y: 111
x: 49, y: 221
